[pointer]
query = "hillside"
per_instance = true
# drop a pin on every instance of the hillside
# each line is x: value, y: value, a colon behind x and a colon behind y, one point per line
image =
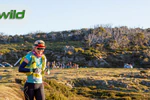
x: 82, y: 84
x: 102, y: 46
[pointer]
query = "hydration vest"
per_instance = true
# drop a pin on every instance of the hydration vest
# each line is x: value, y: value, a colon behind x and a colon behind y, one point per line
x: 33, y: 65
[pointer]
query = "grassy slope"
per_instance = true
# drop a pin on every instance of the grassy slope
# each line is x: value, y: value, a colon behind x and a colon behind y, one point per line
x: 87, y: 82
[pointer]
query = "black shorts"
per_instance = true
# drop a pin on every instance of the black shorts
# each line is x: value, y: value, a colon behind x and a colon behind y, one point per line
x: 32, y: 90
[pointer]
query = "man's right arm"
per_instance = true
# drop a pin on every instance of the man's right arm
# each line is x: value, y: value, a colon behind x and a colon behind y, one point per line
x: 22, y: 67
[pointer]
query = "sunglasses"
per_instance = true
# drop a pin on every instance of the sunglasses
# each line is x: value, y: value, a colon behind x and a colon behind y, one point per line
x: 40, y: 48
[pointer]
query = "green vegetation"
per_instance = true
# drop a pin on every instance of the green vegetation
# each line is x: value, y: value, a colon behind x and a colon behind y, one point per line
x: 99, y: 47
x: 81, y: 84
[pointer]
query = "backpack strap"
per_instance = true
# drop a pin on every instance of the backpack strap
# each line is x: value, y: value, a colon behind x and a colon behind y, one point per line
x: 43, y: 64
x: 32, y: 65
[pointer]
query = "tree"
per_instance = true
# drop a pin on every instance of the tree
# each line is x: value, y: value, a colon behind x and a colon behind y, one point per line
x: 139, y: 39
x: 90, y: 39
x: 64, y: 35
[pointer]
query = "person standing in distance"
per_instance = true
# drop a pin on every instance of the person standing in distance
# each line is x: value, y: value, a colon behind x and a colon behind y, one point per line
x: 34, y: 65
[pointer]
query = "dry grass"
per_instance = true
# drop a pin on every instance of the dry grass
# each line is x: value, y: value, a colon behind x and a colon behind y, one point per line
x: 10, y: 93
x: 95, y: 73
x: 118, y: 79
x: 131, y: 77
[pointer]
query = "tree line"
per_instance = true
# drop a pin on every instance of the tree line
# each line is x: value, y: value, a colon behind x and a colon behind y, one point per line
x: 131, y: 43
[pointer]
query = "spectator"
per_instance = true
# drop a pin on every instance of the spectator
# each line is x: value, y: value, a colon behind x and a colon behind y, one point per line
x: 129, y: 65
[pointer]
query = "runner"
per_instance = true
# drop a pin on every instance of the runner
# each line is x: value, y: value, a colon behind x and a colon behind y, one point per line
x: 34, y: 65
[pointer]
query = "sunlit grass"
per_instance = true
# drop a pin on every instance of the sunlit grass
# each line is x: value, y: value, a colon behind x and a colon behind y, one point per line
x: 88, y: 79
x: 10, y: 92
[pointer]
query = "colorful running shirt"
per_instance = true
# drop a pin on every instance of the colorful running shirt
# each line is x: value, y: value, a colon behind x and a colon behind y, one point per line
x: 34, y: 78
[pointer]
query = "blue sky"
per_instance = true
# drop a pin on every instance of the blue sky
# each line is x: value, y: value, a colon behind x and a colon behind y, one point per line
x: 61, y: 15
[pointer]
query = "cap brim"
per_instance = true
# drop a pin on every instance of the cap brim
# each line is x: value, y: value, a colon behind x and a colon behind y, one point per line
x: 41, y: 46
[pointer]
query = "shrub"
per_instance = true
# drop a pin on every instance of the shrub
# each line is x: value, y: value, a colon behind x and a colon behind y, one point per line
x: 144, y: 71
x: 80, y: 50
x: 55, y: 96
x: 124, y: 98
x: 92, y: 87
x: 4, y: 51
x: 69, y: 53
x: 145, y: 60
x: 121, y: 94
x: 66, y: 91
